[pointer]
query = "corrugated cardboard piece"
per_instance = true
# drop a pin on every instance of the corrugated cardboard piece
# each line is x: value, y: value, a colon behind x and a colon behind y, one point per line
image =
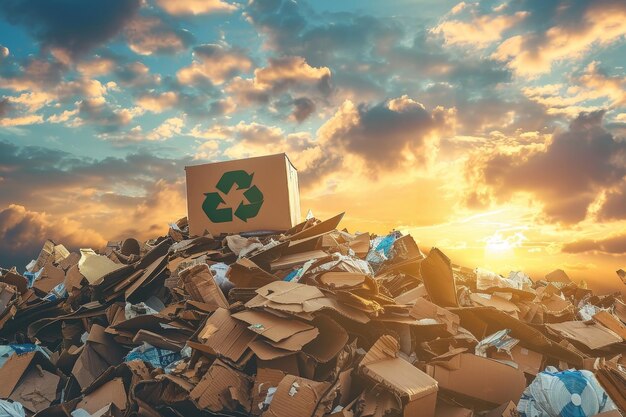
x: 98, y: 354
x: 112, y: 392
x: 438, y: 278
x: 382, y: 365
x: 226, y: 336
x: 30, y: 380
x: 591, y: 335
x: 298, y: 396
x: 526, y: 360
x: 223, y: 389
x: 482, y: 379
x: 241, y: 195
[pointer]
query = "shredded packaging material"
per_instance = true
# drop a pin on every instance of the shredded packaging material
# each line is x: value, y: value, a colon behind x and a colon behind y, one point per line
x: 313, y: 321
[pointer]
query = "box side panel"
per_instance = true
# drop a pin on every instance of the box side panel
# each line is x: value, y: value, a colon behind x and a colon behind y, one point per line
x: 294, y: 192
x: 268, y: 174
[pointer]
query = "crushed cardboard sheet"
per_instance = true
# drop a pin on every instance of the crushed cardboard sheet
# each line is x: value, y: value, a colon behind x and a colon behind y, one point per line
x: 312, y: 321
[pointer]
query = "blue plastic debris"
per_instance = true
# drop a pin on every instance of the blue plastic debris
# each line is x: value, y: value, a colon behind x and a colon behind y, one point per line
x: 571, y: 393
x: 11, y: 409
x: 159, y: 358
x: 32, y: 277
x: 57, y: 293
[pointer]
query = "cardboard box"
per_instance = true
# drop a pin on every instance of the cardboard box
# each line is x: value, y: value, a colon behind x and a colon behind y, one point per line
x: 488, y: 381
x: 243, y: 195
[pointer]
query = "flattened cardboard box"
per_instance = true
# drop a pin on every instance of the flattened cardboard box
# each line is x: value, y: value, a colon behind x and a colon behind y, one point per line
x: 243, y: 195
x: 479, y: 378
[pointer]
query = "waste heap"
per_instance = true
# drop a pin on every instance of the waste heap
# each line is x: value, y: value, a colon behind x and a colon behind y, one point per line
x: 314, y: 321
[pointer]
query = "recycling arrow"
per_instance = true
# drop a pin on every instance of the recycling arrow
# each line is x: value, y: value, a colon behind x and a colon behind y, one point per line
x: 239, y: 177
x: 209, y: 206
x: 255, y: 201
x: 247, y: 209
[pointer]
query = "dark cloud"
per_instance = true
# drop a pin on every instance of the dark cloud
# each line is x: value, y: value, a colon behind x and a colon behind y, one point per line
x: 382, y: 133
x: 23, y: 232
x: 39, y: 175
x: 83, y: 202
x: 361, y: 51
x: 5, y: 107
x: 303, y: 107
x: 386, y: 136
x: 21, y: 236
x: 293, y: 28
x: 428, y: 58
x: 135, y: 74
x: 615, y: 245
x: 565, y: 177
x: 100, y: 114
x: 149, y: 34
x: 32, y: 73
x: 614, y: 207
x: 214, y: 64
x: 74, y: 25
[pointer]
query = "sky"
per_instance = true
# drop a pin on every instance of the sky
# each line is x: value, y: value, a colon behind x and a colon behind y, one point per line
x: 493, y: 130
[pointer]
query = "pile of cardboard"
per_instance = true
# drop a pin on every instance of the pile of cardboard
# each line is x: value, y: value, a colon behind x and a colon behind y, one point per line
x: 314, y: 321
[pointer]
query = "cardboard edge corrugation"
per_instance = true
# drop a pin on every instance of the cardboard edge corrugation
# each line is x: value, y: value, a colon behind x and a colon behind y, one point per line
x: 294, y: 189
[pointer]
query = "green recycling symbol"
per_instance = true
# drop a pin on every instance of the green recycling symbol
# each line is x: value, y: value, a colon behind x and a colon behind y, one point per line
x: 245, y: 210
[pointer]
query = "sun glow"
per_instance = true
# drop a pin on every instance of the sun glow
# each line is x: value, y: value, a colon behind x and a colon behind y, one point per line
x: 499, y: 245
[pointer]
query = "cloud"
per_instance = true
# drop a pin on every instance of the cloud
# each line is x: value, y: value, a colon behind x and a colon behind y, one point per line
x: 101, y: 114
x: 148, y: 35
x: 477, y: 31
x: 136, y: 74
x: 592, y: 89
x: 565, y: 175
x: 30, y: 119
x: 32, y: 101
x: 23, y: 232
x: 215, y: 63
x: 96, y: 66
x: 385, y: 137
x: 62, y: 117
x: 157, y: 102
x: 392, y: 135
x: 284, y: 72
x: 615, y: 245
x: 293, y: 28
x: 561, y: 30
x: 169, y: 128
x: 290, y: 73
x: 73, y: 25
x: 196, y: 7
x: 244, y: 140
x: 614, y: 205
x: 303, y: 107
x: 5, y: 106
x: 135, y: 195
x: 35, y: 73
x: 597, y: 81
x: 384, y: 134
